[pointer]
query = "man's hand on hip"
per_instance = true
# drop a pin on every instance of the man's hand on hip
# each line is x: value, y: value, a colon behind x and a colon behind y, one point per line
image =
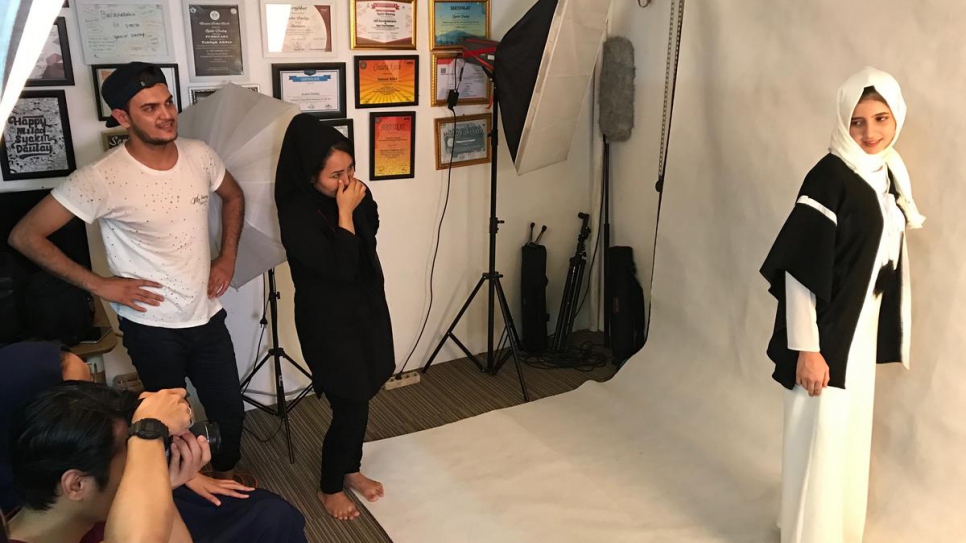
x: 127, y: 291
x: 222, y: 270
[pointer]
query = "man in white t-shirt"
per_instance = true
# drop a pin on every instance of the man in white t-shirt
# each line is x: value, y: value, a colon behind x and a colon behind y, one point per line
x: 151, y: 197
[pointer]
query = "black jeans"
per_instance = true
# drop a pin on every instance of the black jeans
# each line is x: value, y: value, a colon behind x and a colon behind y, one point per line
x: 204, y: 354
x: 342, y: 446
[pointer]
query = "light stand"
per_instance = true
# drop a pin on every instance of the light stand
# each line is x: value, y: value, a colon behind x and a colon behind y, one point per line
x: 276, y: 353
x: 492, y: 279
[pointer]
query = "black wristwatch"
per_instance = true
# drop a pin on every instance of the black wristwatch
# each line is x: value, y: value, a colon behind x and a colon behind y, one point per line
x: 148, y: 429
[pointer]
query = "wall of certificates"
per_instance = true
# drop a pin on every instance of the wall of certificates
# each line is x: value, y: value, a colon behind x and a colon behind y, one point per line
x: 342, y: 61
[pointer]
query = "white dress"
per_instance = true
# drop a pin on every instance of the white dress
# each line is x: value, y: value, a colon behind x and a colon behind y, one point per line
x: 827, y: 439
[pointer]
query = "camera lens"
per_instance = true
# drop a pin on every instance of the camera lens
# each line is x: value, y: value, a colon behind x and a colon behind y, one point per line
x: 210, y: 431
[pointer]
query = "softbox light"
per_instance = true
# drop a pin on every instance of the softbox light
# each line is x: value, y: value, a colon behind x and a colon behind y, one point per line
x: 544, y: 66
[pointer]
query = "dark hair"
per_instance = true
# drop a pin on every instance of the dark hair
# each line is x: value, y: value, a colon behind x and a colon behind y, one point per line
x: 342, y: 145
x: 869, y: 93
x: 68, y: 426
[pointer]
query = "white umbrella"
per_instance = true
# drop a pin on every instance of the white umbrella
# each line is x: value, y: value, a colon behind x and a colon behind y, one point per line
x: 246, y: 129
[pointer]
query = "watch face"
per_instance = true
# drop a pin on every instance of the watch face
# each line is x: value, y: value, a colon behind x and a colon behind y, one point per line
x: 149, y: 429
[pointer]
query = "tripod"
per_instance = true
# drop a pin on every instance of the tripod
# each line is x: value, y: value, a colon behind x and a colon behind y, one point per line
x: 276, y: 354
x: 492, y: 279
x: 571, y: 294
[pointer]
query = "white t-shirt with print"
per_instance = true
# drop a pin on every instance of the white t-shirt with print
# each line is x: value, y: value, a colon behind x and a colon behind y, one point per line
x: 154, y: 225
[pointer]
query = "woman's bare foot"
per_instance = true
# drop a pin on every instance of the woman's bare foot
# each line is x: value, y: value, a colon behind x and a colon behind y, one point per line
x: 338, y: 505
x: 372, y: 490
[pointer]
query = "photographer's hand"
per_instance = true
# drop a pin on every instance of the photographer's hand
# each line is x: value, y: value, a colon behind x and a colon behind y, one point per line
x: 188, y: 455
x: 167, y: 406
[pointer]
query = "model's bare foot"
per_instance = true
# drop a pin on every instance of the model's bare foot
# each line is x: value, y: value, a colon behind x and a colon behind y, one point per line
x: 338, y: 505
x: 372, y: 490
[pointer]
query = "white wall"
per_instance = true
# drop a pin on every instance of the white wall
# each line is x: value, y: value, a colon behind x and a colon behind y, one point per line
x: 409, y: 208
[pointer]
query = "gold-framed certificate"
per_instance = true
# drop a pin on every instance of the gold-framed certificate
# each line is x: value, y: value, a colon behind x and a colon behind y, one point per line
x: 383, y: 24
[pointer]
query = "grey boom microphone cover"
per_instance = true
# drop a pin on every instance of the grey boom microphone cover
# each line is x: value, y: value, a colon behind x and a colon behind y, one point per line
x: 616, y: 92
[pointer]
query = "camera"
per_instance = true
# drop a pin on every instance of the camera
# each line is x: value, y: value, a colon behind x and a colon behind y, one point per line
x: 210, y: 431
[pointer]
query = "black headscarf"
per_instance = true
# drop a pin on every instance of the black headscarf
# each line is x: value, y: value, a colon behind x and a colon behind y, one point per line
x: 307, y: 142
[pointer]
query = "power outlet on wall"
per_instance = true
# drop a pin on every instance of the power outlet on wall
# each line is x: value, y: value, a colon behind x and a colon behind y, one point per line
x: 406, y: 379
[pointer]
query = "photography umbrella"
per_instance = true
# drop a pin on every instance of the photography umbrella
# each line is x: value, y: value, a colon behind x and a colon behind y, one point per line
x: 246, y: 129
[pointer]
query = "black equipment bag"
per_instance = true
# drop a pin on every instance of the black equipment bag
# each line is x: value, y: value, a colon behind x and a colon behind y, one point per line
x: 626, y: 304
x: 534, y: 297
x: 57, y: 310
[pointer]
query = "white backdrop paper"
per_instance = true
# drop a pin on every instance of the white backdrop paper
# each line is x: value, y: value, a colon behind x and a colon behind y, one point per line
x: 684, y: 444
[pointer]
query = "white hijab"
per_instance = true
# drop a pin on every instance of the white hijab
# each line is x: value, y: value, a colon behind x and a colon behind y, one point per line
x: 862, y: 163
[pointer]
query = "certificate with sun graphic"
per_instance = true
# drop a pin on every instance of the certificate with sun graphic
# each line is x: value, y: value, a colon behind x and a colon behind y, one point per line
x: 387, y: 81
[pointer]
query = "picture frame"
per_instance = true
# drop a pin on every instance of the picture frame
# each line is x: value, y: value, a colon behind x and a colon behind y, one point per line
x: 122, y: 31
x: 318, y: 88
x: 113, y: 138
x: 196, y: 94
x: 377, y: 24
x: 345, y: 126
x: 101, y: 71
x: 36, y: 142
x: 215, y: 40
x: 386, y: 81
x: 474, y: 85
x: 452, y: 21
x: 54, y: 68
x: 299, y: 28
x: 392, y: 145
x: 463, y: 141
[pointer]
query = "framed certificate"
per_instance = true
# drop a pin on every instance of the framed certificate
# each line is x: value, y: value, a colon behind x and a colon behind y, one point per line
x: 462, y: 142
x: 101, y: 72
x: 122, y: 31
x: 36, y: 141
x: 383, y: 81
x: 196, y: 94
x: 316, y: 88
x: 342, y: 125
x: 378, y: 24
x: 215, y: 40
x: 54, y: 67
x: 298, y: 28
x: 452, y: 21
x: 392, y: 145
x: 452, y: 72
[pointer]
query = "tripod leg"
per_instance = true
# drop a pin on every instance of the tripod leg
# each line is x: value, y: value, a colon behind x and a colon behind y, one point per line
x: 281, y: 407
x: 449, y: 332
x: 513, y: 338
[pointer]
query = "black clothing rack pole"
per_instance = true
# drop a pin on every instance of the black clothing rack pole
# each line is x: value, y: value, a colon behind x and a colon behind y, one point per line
x: 276, y: 353
x: 492, y: 278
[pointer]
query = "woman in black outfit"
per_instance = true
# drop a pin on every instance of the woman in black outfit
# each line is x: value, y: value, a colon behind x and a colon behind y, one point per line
x: 328, y: 223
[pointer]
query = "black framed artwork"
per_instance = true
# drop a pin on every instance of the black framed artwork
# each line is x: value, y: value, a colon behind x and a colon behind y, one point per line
x: 345, y: 126
x: 54, y: 67
x: 317, y: 88
x: 36, y: 142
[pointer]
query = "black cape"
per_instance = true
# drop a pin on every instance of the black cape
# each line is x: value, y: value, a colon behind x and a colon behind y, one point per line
x: 341, y: 314
x: 834, y: 259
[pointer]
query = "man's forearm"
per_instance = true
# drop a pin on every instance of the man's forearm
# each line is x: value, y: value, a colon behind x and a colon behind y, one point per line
x: 46, y: 255
x: 143, y: 508
x: 232, y: 217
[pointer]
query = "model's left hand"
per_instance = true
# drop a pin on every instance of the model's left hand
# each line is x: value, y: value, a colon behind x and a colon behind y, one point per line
x: 222, y: 270
x: 209, y: 488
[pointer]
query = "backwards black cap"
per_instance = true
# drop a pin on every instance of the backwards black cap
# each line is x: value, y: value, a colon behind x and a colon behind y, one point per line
x: 126, y: 81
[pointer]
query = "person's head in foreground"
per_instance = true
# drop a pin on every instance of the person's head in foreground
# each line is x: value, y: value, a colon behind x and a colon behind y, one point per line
x: 141, y: 102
